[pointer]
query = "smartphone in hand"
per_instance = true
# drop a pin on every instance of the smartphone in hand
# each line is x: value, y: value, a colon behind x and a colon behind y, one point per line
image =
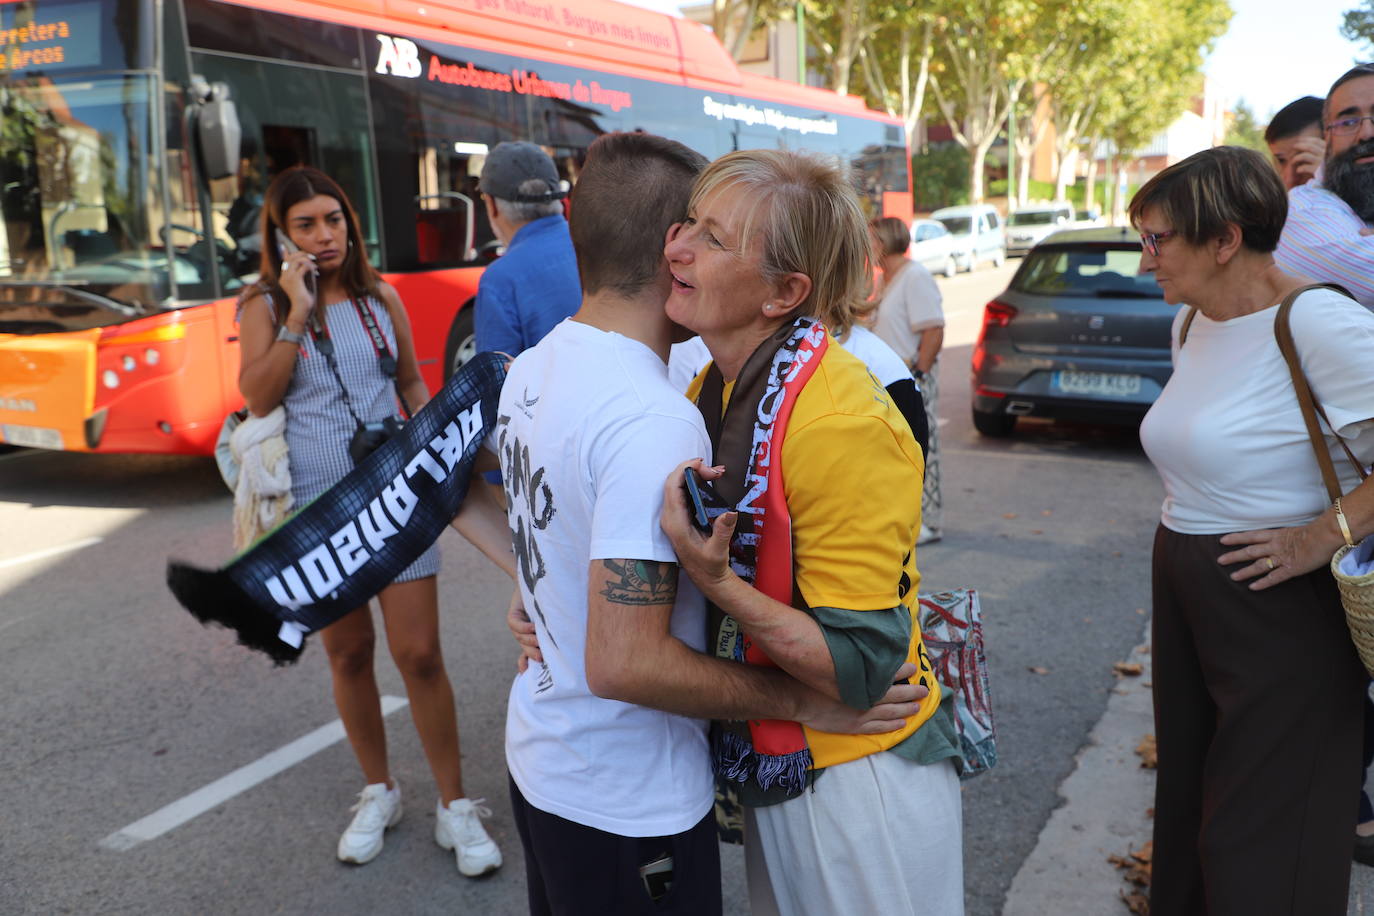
x: 289, y: 247
x: 704, y: 504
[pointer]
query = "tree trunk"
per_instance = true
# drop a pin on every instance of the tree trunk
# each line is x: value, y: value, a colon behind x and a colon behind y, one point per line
x: 1090, y: 195
x: 1023, y: 180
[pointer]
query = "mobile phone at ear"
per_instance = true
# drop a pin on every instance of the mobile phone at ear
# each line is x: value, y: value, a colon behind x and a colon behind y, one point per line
x: 289, y: 247
x: 704, y: 504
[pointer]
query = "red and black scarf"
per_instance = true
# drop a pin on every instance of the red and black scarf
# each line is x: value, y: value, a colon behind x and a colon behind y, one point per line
x: 747, y: 438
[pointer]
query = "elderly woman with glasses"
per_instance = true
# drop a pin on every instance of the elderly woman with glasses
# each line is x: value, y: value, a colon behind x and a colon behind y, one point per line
x: 1257, y: 687
x: 816, y: 571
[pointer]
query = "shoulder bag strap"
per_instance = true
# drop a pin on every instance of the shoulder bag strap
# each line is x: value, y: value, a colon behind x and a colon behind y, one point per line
x: 1187, y: 323
x: 1283, y: 333
x: 385, y: 361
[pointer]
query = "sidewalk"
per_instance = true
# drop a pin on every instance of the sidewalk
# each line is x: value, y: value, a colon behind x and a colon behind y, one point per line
x: 1104, y: 814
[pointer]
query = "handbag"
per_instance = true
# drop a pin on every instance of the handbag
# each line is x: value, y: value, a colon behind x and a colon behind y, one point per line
x: 952, y: 629
x: 1357, y: 591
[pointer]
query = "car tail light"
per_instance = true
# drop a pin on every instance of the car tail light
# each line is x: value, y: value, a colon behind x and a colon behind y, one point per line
x: 998, y: 314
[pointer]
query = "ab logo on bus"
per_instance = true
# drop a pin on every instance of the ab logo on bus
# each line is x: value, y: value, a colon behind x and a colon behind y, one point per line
x: 399, y: 56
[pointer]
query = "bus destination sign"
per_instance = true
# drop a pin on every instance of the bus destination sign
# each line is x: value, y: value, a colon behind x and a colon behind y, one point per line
x: 45, y: 37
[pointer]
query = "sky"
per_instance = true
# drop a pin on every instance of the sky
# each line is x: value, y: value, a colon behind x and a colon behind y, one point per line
x: 1274, y: 51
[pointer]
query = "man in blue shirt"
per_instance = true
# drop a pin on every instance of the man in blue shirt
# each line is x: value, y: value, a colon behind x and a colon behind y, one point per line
x: 534, y: 285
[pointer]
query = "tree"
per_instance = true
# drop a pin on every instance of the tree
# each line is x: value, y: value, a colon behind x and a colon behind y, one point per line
x: 733, y: 21
x: 982, y: 67
x: 896, y: 64
x: 1358, y: 23
x: 840, y: 30
x: 1246, y: 130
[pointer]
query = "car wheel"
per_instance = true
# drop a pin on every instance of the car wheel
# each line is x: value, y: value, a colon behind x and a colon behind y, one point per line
x: 951, y: 267
x: 999, y: 257
x: 461, y: 345
x: 994, y: 425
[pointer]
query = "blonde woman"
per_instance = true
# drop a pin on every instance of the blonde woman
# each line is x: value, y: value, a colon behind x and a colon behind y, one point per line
x: 816, y: 572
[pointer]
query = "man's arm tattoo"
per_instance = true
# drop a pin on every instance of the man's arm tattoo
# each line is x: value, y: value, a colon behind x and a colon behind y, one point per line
x: 641, y: 582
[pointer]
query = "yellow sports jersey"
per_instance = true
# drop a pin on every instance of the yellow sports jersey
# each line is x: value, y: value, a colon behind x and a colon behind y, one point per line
x: 852, y: 473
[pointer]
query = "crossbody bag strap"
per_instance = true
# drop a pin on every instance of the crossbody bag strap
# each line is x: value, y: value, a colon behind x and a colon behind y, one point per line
x: 1283, y: 333
x: 385, y: 360
x: 325, y: 345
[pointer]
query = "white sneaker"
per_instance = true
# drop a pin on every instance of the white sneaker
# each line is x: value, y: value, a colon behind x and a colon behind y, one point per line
x: 927, y: 535
x: 377, y: 809
x: 458, y: 827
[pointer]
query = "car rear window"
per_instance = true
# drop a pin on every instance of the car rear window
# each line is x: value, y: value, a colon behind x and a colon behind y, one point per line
x: 957, y: 224
x: 1032, y: 218
x: 1056, y: 271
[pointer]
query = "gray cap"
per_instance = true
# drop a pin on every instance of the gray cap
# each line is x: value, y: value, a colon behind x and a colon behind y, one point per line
x: 510, y: 165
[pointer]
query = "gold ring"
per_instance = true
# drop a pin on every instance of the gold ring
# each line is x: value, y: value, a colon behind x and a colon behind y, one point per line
x: 1270, y: 561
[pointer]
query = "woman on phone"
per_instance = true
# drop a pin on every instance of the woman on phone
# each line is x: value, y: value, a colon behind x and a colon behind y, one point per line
x: 323, y: 335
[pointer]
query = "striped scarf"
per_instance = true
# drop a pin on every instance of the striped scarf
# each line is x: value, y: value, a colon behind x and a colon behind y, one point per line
x: 346, y: 546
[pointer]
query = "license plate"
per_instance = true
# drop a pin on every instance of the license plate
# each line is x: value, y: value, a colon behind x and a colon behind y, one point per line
x: 31, y: 436
x: 1098, y: 384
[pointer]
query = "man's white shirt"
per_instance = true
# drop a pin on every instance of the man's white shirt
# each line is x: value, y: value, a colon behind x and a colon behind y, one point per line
x: 588, y: 430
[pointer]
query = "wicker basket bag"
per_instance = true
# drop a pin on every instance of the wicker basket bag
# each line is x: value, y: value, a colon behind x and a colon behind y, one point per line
x: 1357, y: 597
x: 1357, y: 591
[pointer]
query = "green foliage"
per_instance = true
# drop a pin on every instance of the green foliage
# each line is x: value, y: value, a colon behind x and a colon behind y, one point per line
x: 1246, y: 130
x: 939, y: 178
x: 1076, y: 194
x: 1358, y: 24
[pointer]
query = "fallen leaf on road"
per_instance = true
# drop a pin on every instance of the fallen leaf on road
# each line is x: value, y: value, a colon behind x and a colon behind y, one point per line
x: 1143, y: 650
x: 1128, y: 669
x: 1036, y: 669
x: 1136, y: 903
x: 1149, y: 758
x: 1037, y: 531
x: 1047, y: 512
x: 1140, y: 611
x: 1009, y: 515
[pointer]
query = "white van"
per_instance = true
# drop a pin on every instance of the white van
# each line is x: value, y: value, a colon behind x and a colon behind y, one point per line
x: 1028, y: 226
x: 977, y: 231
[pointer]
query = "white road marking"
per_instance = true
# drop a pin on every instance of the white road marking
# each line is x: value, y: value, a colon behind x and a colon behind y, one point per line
x: 232, y: 784
x: 50, y: 552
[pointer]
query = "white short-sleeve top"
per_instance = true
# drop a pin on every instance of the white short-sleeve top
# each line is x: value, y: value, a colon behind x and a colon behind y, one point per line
x: 1227, y: 435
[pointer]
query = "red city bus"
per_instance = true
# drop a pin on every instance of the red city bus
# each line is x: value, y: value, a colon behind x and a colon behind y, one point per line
x: 131, y: 194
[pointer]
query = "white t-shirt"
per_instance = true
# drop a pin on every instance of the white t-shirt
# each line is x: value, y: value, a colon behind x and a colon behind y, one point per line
x: 588, y: 430
x: 910, y: 304
x: 685, y: 362
x: 887, y: 367
x: 1227, y: 435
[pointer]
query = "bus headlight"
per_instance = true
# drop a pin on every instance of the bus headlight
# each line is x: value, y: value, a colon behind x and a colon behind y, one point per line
x: 129, y: 363
x: 151, y: 356
x: 110, y: 378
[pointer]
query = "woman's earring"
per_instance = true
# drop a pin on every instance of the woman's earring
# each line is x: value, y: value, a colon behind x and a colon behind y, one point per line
x: 350, y: 243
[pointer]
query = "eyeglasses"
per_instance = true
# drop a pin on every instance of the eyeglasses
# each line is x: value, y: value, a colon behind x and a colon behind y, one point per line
x: 1346, y: 126
x: 1151, y: 241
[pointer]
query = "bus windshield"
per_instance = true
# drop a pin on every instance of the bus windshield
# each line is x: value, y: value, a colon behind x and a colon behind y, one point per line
x: 77, y: 183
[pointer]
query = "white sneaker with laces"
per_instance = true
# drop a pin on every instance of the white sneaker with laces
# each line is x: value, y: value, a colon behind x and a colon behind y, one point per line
x: 458, y: 827
x: 378, y: 808
x: 927, y: 536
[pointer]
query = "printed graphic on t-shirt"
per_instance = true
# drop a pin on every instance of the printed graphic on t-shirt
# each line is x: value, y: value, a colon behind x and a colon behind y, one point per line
x: 530, y: 501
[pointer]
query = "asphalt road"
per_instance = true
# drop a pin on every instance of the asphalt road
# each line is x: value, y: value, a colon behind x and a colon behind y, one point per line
x: 117, y: 704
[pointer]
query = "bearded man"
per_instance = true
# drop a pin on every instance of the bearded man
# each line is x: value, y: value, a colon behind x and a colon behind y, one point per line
x: 1327, y: 235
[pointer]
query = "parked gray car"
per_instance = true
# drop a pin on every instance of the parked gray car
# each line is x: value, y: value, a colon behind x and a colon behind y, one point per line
x: 1079, y: 334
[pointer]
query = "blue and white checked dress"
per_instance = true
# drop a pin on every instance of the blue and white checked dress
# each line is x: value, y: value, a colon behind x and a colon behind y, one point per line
x: 318, y: 424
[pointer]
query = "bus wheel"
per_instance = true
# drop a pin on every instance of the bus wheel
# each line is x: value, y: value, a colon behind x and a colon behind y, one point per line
x: 462, y: 341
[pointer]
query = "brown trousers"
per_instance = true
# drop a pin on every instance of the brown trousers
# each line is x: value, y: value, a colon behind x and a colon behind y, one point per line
x: 1257, y: 701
